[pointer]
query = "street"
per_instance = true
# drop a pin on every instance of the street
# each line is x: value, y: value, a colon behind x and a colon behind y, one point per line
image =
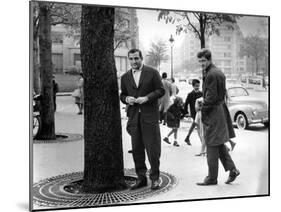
x: 250, y: 156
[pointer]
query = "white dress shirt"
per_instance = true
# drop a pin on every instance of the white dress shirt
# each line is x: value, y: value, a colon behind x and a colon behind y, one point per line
x: 136, y: 75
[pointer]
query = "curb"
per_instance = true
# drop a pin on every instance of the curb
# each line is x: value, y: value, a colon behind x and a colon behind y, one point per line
x: 64, y: 94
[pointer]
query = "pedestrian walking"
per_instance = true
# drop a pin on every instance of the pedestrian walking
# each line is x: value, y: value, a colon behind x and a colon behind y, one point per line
x: 175, y: 89
x: 190, y: 100
x: 174, y: 114
x: 141, y: 87
x: 217, y: 125
x: 78, y: 94
x: 55, y: 90
x: 165, y: 100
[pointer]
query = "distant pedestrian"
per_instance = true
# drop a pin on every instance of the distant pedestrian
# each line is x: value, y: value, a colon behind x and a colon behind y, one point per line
x: 164, y: 101
x: 55, y: 90
x: 174, y: 115
x: 175, y: 89
x: 78, y: 94
x: 190, y: 100
x: 217, y: 125
x: 263, y: 82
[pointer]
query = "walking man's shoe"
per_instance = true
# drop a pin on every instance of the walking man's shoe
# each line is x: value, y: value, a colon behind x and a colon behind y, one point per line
x: 167, y: 140
x: 155, y: 184
x: 139, y: 184
x: 186, y: 140
x: 207, y: 181
x: 176, y: 143
x: 232, y: 175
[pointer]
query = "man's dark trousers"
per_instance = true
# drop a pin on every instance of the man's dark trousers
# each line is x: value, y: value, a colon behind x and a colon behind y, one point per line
x: 214, y: 153
x: 142, y: 142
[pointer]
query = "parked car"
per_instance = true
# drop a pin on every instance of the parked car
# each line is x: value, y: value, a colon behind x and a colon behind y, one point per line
x: 244, y: 109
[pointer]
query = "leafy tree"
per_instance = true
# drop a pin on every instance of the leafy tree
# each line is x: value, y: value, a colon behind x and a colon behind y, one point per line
x: 201, y: 24
x: 254, y: 47
x: 157, y: 53
x: 103, y: 166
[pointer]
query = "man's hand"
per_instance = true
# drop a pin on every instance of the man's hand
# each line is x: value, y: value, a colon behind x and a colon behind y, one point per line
x: 141, y: 100
x: 130, y: 100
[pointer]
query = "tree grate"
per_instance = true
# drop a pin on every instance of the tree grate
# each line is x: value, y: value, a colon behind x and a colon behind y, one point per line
x: 51, y: 193
x: 61, y: 138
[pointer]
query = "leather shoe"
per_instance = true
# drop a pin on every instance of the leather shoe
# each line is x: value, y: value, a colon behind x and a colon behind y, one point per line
x: 208, y: 182
x: 155, y: 184
x: 139, y: 184
x: 187, y: 141
x: 166, y: 140
x: 232, y: 175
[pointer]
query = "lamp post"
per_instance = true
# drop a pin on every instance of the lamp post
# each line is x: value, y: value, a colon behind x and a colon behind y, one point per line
x: 172, y: 40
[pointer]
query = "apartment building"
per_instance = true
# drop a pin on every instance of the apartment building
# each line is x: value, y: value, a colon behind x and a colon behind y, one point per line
x: 66, y: 47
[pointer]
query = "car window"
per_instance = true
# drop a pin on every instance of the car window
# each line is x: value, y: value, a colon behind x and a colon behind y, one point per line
x: 234, y: 92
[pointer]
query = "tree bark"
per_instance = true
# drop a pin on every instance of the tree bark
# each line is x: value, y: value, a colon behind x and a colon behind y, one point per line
x: 45, y: 47
x: 103, y: 154
x: 36, y: 71
x: 202, y: 31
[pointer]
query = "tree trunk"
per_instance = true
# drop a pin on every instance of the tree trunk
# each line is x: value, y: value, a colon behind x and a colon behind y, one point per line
x: 36, y: 71
x: 103, y: 154
x: 202, y: 31
x: 45, y: 47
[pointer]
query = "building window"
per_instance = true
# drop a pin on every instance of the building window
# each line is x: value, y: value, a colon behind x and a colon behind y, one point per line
x: 57, y: 37
x: 121, y: 64
x: 227, y: 70
x: 227, y: 54
x: 76, y: 59
x: 227, y: 63
x: 227, y: 38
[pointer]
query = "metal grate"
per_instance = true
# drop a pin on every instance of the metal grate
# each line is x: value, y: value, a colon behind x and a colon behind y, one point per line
x: 51, y: 193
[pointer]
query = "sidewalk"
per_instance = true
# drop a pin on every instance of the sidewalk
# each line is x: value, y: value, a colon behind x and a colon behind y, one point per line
x: 250, y: 157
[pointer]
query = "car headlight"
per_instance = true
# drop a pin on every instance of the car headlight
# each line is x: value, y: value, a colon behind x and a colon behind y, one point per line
x: 254, y: 112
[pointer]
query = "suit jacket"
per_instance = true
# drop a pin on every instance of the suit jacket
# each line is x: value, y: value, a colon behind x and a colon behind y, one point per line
x: 215, y: 115
x: 150, y: 85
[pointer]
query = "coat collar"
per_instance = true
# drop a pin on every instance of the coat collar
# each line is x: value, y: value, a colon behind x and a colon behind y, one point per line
x: 142, y: 76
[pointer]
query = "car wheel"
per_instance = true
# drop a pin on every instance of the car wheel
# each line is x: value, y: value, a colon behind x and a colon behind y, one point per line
x: 241, y: 121
x: 266, y: 124
x: 36, y: 126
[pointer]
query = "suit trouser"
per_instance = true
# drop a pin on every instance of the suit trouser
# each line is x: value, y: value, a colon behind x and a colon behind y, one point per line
x: 214, y: 153
x: 146, y: 136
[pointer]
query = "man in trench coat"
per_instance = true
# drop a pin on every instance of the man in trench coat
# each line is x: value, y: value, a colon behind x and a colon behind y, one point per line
x: 141, y: 87
x: 217, y: 124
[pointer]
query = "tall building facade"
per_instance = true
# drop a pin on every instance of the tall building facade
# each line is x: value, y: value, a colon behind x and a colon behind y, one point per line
x: 66, y: 48
x: 225, y: 49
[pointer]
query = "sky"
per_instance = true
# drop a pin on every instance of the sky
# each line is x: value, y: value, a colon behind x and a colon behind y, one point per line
x: 150, y: 29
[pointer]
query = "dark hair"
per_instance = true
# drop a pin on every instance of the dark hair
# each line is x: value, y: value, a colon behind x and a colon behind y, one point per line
x: 164, y: 75
x: 204, y: 53
x: 132, y: 51
x: 195, y: 81
x: 177, y: 100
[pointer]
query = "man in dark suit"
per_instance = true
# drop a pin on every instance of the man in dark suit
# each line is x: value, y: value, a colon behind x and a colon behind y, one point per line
x: 141, y: 87
x: 217, y: 125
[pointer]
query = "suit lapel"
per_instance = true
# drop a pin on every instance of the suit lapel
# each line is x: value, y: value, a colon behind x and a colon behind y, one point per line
x: 143, y: 74
x: 131, y: 78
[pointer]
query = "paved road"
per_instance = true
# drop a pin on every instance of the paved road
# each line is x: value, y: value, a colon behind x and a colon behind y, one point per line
x: 250, y: 156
